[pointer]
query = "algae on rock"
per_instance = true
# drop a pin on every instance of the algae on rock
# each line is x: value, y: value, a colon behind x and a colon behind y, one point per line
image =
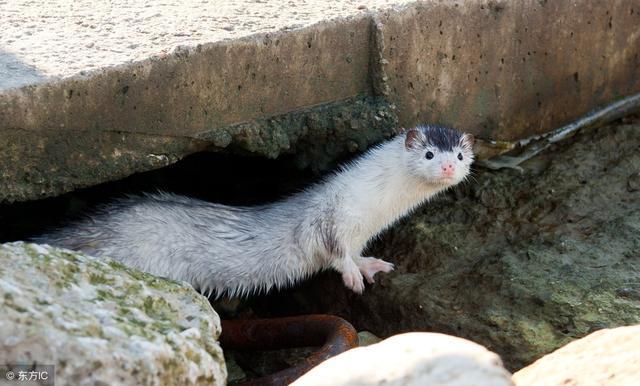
x: 98, y: 321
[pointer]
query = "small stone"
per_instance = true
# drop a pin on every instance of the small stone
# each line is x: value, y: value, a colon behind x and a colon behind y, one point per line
x: 235, y: 372
x: 366, y: 338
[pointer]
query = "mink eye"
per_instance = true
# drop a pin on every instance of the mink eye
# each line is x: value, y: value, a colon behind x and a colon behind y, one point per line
x: 429, y: 155
x: 460, y: 156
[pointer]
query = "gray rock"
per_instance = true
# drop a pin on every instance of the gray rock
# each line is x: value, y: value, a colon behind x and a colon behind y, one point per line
x: 605, y: 358
x: 99, y: 322
x: 412, y: 359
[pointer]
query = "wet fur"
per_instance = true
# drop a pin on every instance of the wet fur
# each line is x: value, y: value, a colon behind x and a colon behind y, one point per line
x: 242, y: 250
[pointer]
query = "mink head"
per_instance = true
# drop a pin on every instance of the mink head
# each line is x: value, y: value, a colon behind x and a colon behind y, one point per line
x: 440, y: 155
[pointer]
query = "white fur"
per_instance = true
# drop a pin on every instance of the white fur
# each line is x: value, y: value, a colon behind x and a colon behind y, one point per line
x: 238, y: 251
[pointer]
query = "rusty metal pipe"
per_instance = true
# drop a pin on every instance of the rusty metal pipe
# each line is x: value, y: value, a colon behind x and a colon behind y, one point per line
x: 333, y: 334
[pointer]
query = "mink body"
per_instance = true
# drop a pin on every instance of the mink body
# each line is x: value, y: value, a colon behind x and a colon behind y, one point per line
x: 237, y: 251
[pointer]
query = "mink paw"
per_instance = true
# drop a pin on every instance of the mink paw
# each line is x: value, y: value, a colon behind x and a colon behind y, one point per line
x: 369, y: 266
x: 353, y: 278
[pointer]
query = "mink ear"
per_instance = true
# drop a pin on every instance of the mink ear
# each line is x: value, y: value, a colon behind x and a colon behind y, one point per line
x: 414, y: 139
x: 470, y: 139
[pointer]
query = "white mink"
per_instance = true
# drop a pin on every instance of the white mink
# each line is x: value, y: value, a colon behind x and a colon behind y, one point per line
x: 237, y: 251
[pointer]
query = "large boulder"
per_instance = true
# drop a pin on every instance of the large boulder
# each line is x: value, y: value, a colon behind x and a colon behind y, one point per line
x: 522, y: 263
x: 605, y: 358
x: 99, y: 322
x: 412, y: 359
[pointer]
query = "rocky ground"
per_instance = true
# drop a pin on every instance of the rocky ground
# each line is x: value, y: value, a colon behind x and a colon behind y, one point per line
x: 522, y: 263
x: 608, y: 357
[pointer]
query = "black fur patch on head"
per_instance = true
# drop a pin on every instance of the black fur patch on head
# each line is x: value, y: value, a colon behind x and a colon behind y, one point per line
x: 443, y: 138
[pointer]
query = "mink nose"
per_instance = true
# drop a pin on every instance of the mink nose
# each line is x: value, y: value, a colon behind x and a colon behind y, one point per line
x: 448, y: 169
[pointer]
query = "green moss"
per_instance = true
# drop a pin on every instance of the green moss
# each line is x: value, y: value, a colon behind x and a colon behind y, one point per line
x: 42, y: 302
x: 103, y: 295
x: 99, y: 278
x: 63, y: 273
x: 11, y: 304
x: 117, y: 266
x: 158, y: 308
x: 69, y: 256
x: 137, y: 322
x: 163, y: 326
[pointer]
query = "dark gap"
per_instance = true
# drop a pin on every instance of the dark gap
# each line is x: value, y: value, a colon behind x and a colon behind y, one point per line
x: 215, y: 177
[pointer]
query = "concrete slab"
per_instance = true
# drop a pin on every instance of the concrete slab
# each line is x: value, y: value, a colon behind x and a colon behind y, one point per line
x: 510, y: 69
x: 45, y: 40
x: 88, y: 111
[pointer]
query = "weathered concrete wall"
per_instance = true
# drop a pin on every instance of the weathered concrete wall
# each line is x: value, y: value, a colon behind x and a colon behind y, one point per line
x: 36, y: 164
x: 201, y: 88
x: 508, y: 69
x: 500, y: 69
x: 262, y: 94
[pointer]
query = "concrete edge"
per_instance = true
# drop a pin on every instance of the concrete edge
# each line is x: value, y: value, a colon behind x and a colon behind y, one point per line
x: 499, y: 69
